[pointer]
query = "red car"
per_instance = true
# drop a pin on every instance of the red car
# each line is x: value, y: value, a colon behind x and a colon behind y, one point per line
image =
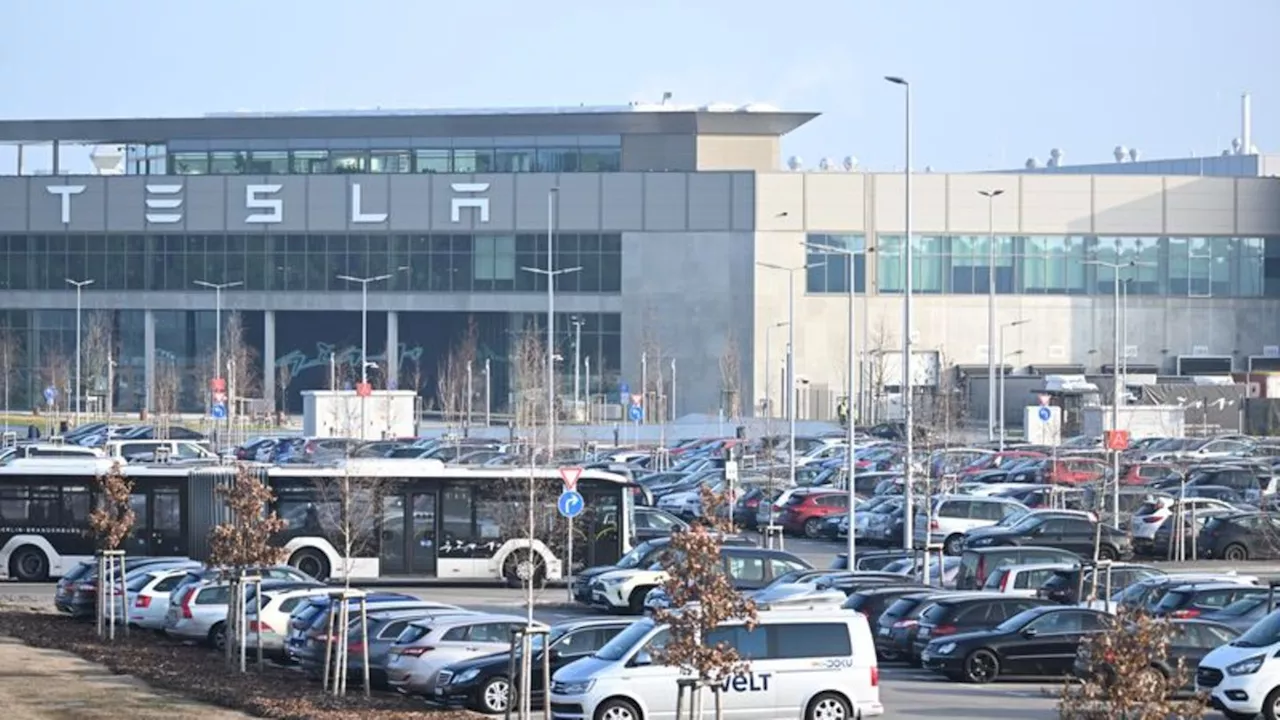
x: 805, y: 510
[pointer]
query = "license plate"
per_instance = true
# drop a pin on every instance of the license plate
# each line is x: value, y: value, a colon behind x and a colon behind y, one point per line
x: 925, y: 632
x: 884, y: 631
x: 439, y: 691
x: 925, y: 657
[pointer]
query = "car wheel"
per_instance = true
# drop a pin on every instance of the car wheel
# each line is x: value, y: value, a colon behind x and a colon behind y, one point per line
x: 1271, y: 706
x: 951, y: 546
x: 617, y: 709
x: 812, y: 527
x: 218, y: 637
x: 1106, y: 552
x: 1235, y: 552
x: 981, y: 667
x: 635, y: 601
x: 494, y: 696
x: 829, y: 706
x: 29, y: 564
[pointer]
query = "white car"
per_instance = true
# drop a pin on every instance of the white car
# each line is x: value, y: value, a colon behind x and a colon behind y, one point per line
x: 625, y: 589
x: 272, y: 623
x: 1022, y: 580
x: 147, y: 600
x: 1242, y: 678
x: 1151, y: 515
x: 951, y: 516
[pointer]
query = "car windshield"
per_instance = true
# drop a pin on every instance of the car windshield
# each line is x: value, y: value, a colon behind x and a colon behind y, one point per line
x: 622, y: 643
x: 637, y: 554
x: 1016, y: 622
x: 1014, y: 517
x: 1243, y: 606
x: 1266, y: 632
x: 1027, y: 522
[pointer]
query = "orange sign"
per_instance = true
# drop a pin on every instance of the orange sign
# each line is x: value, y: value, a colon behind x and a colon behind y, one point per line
x: 364, y: 389
x: 1116, y: 439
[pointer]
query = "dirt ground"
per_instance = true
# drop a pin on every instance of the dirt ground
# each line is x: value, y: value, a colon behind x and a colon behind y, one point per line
x: 41, y: 684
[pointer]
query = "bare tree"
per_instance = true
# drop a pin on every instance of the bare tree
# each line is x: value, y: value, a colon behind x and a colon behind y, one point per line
x: 880, y: 342
x: 651, y: 353
x: 240, y: 363
x: 700, y: 599
x: 56, y: 373
x: 1125, y: 675
x: 947, y: 409
x: 10, y: 362
x: 284, y: 378
x: 97, y: 352
x: 348, y: 509
x: 527, y: 378
x: 731, y: 378
x: 451, y: 376
x: 167, y: 394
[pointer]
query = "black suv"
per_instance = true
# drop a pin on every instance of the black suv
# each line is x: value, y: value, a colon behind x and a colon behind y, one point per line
x: 967, y: 613
x: 1075, y: 534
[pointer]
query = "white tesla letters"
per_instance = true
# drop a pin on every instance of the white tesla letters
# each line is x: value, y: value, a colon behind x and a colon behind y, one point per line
x: 165, y: 202
x: 479, y: 203
x: 254, y: 200
x: 165, y: 198
x: 66, y: 191
x: 358, y: 215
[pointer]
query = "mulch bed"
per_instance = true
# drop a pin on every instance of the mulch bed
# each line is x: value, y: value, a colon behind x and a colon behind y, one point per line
x: 201, y: 674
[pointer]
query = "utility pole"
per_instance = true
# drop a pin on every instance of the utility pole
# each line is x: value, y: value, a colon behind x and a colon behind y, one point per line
x: 79, y: 285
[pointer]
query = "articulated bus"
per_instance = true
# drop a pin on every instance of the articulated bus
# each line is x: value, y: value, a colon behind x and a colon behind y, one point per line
x: 397, y: 518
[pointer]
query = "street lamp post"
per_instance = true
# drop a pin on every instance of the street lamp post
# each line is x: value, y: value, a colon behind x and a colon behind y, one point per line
x: 79, y: 285
x: 908, y: 527
x: 488, y: 397
x: 217, y: 289
x: 768, y: 375
x: 551, y: 274
x: 851, y: 369
x: 364, y: 336
x: 577, y: 361
x: 991, y: 196
x: 1000, y: 351
x: 1115, y: 375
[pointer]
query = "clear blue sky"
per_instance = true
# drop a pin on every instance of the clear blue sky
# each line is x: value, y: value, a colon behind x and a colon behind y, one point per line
x: 995, y: 81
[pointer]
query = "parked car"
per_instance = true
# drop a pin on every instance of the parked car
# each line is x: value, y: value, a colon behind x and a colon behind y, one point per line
x: 200, y: 611
x: 428, y: 646
x: 1022, y: 580
x: 1189, y: 642
x: 1145, y: 594
x: 1066, y: 584
x: 873, y: 601
x: 896, y: 627
x: 977, y: 563
x: 640, y: 557
x: 1243, y: 613
x: 1039, y: 641
x: 1240, y: 537
x: 1075, y: 534
x: 1194, y: 600
x: 805, y: 510
x: 483, y: 683
x: 949, y: 517
x: 385, y: 624
x: 965, y: 613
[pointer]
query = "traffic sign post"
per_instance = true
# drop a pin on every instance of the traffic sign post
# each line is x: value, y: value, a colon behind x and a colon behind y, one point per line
x: 570, y: 505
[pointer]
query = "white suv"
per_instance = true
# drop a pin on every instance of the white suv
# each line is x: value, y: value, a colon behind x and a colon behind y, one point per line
x: 951, y: 516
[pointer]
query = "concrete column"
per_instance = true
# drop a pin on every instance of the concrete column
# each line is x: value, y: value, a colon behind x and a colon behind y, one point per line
x: 149, y: 357
x: 269, y: 358
x: 393, y: 349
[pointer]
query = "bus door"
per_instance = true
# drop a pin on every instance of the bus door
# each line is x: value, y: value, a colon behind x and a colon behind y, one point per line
x: 408, y: 534
x: 604, y: 542
x: 159, y: 525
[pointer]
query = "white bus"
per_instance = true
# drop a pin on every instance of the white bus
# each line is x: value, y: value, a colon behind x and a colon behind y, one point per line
x: 400, y: 518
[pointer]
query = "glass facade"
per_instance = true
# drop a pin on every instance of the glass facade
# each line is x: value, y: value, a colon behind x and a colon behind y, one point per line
x: 829, y: 271
x: 412, y: 155
x: 1084, y: 265
x: 37, y: 350
x: 289, y: 263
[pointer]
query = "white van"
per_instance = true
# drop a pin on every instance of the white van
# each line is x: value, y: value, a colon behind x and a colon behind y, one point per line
x: 1242, y: 678
x: 803, y: 663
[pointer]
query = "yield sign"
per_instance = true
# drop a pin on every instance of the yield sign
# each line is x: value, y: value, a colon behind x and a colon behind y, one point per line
x: 570, y: 476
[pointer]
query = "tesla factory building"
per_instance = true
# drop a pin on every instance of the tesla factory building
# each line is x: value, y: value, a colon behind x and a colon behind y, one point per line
x: 681, y: 246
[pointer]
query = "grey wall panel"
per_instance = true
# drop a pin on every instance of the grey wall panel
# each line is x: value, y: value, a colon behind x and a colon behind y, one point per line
x: 236, y: 208
x: 743, y: 214
x: 127, y: 204
x: 580, y: 201
x: 710, y: 201
x: 89, y: 209
x: 374, y: 209
x: 46, y: 207
x: 531, y: 203
x: 206, y: 204
x: 442, y: 196
x: 14, y: 204
x: 410, y: 198
x: 666, y: 201
x: 293, y: 193
x: 326, y: 204
x: 622, y: 202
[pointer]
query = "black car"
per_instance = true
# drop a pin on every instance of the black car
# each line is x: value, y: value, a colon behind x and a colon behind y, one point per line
x: 1247, y: 536
x: 851, y: 582
x: 1040, y: 641
x: 1146, y: 594
x: 965, y: 613
x: 1190, y: 601
x: 1076, y: 534
x: 896, y: 626
x: 1071, y: 585
x: 871, y: 602
x: 1189, y: 642
x: 483, y: 684
x: 640, y: 556
x: 869, y: 559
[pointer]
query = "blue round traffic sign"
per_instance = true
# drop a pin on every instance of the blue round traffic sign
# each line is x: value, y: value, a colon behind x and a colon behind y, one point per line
x: 635, y: 413
x: 218, y: 411
x: 571, y: 504
x: 1045, y: 414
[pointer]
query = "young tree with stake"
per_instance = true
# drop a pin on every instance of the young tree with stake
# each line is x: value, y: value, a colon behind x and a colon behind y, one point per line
x: 110, y: 522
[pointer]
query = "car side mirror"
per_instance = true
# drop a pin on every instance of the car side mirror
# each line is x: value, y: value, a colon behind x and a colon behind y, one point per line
x: 641, y: 659
x: 1030, y: 633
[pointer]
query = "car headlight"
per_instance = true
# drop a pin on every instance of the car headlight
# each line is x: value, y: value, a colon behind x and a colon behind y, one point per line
x: 465, y: 676
x: 946, y: 648
x: 613, y: 582
x: 1248, y: 666
x: 581, y: 687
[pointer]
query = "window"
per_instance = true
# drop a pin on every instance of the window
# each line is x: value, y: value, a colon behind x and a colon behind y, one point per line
x: 556, y: 160
x: 781, y: 567
x: 971, y: 264
x: 748, y: 568
x: 169, y: 583
x: 1053, y: 265
x: 1058, y: 623
x: 512, y: 160
x: 492, y: 632
x: 433, y: 161
x: 599, y: 160
x: 828, y: 272
x: 809, y: 640
x: 190, y: 163
x: 393, y: 629
x: 348, y: 161
x: 455, y: 512
x: 214, y: 596
x: 227, y: 163
x: 473, y: 161
x: 268, y: 162
x: 390, y: 161
x: 76, y: 505
x: 494, y: 263
x: 457, y: 634
x: 751, y: 644
x: 929, y: 261
x: 166, y: 510
x: 307, y: 162
x: 955, y: 509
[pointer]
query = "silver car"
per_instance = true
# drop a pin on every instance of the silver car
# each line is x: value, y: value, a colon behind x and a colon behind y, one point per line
x: 428, y: 646
x: 200, y: 614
